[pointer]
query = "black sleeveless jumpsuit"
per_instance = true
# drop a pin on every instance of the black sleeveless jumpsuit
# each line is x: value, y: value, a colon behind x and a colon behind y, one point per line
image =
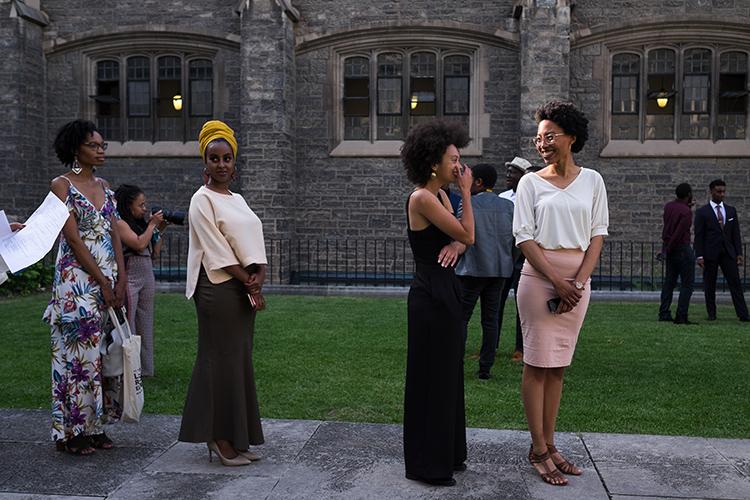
x: 434, y: 420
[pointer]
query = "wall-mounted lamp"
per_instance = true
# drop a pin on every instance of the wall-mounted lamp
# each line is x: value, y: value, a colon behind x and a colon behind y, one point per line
x: 177, y: 102
x: 662, y: 97
x: 414, y: 102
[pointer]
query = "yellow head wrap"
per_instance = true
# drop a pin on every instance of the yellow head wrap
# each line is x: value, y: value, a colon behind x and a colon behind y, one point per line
x: 216, y: 129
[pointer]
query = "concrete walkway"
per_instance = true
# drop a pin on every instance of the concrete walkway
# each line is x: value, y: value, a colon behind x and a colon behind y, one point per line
x: 321, y: 460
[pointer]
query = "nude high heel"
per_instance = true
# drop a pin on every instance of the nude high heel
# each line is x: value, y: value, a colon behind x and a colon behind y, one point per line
x: 229, y: 462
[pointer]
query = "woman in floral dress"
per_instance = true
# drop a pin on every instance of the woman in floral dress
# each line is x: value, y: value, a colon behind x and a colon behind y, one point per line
x: 86, y: 283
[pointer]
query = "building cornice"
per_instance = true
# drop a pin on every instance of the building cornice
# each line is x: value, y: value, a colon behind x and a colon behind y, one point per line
x: 717, y: 29
x: 399, y: 34
x: 165, y: 35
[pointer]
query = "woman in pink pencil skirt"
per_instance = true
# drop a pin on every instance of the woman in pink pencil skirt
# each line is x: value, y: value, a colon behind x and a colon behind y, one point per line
x: 560, y: 221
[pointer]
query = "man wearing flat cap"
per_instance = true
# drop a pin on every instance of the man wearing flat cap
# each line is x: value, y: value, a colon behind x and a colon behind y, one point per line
x: 515, y: 169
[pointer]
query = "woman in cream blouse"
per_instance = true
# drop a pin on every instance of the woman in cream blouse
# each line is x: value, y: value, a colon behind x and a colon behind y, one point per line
x: 226, y: 270
x: 560, y: 221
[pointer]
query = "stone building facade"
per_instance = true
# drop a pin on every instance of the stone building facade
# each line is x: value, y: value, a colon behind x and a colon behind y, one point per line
x: 321, y: 91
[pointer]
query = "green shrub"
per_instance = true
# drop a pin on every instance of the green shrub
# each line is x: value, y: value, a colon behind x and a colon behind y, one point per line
x: 33, y: 279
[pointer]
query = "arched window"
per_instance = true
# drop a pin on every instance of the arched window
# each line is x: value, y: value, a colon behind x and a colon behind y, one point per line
x: 692, y: 93
x: 411, y: 86
x: 148, y: 102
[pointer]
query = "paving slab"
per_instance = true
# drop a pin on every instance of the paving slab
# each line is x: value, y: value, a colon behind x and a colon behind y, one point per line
x: 638, y: 449
x: 38, y: 468
x: 192, y: 486
x: 736, y: 451
x: 675, y: 480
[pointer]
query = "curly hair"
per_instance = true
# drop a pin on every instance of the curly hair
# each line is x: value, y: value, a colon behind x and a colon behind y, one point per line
x: 569, y: 118
x: 426, y: 144
x: 125, y: 196
x: 70, y: 137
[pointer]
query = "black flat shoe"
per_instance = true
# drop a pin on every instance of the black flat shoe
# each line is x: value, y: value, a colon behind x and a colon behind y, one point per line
x: 459, y: 467
x: 438, y: 481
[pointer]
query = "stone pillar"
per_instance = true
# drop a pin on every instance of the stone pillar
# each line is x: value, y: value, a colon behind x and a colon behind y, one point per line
x: 267, y: 157
x: 23, y: 143
x: 545, y: 60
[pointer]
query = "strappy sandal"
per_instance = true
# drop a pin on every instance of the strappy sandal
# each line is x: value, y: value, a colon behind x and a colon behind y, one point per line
x: 102, y: 442
x: 563, y: 466
x: 551, y: 475
x: 79, y: 445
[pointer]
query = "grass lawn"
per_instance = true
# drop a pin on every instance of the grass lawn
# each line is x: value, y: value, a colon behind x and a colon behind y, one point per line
x: 343, y: 359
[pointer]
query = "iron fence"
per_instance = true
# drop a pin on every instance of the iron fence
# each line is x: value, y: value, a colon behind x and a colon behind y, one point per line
x: 623, y: 266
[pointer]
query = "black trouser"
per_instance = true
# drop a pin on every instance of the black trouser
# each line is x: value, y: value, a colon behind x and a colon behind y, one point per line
x: 488, y: 290
x: 512, y: 282
x: 679, y: 263
x: 731, y: 273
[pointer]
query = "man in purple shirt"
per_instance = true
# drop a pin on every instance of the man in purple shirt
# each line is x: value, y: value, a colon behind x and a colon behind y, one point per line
x: 680, y: 258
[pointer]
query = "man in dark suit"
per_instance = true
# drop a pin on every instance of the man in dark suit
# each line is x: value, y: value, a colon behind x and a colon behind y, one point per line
x: 718, y: 245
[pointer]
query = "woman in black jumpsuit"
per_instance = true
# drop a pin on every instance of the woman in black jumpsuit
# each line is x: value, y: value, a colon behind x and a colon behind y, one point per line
x: 434, y: 423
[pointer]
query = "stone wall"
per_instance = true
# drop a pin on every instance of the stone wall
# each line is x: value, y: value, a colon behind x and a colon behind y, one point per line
x: 22, y: 90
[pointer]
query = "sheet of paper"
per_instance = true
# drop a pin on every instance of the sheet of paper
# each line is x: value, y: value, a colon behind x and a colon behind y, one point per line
x: 3, y: 271
x: 4, y: 225
x: 27, y: 246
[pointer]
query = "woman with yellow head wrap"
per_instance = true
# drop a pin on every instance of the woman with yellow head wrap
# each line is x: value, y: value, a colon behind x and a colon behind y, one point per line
x: 216, y: 130
x: 226, y: 270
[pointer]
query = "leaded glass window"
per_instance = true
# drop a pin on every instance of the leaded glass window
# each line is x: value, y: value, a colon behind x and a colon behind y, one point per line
x: 108, y: 98
x: 139, y: 99
x: 733, y: 91
x: 626, y: 70
x: 660, y: 107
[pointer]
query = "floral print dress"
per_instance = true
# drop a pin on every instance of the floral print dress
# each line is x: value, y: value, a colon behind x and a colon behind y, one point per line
x: 82, y: 400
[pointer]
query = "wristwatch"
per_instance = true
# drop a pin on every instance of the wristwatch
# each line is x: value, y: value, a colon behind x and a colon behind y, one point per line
x: 579, y: 285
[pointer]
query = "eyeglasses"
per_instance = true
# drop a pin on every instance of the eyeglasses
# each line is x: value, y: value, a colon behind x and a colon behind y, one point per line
x: 96, y: 145
x: 548, y: 138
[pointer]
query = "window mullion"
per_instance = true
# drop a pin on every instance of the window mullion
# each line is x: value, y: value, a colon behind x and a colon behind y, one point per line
x: 184, y: 92
x: 154, y: 104
x: 713, y: 102
x: 373, y: 96
x: 124, y: 130
x: 406, y: 91
x: 680, y: 97
x: 439, y: 85
x: 642, y: 90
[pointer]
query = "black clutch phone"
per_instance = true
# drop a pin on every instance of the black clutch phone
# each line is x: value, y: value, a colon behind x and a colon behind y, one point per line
x: 552, y: 304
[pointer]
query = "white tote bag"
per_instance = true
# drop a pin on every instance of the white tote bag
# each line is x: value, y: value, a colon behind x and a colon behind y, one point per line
x: 110, y: 347
x: 132, y: 387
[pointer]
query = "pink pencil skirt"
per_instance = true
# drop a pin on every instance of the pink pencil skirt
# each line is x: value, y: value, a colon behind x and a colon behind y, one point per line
x: 549, y: 340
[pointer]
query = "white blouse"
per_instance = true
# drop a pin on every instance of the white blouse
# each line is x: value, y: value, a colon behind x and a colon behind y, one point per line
x: 561, y: 218
x: 224, y: 231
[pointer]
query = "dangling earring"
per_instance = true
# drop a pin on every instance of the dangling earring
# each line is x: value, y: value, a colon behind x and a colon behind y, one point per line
x: 76, y: 168
x: 433, y: 174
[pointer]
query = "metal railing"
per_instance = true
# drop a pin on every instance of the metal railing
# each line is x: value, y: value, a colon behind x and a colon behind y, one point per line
x: 623, y: 266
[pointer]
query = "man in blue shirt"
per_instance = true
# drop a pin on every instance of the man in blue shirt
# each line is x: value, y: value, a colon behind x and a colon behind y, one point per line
x: 488, y: 262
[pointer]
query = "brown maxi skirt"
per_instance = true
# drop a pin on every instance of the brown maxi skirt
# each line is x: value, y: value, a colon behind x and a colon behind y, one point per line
x: 221, y: 400
x: 549, y: 340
